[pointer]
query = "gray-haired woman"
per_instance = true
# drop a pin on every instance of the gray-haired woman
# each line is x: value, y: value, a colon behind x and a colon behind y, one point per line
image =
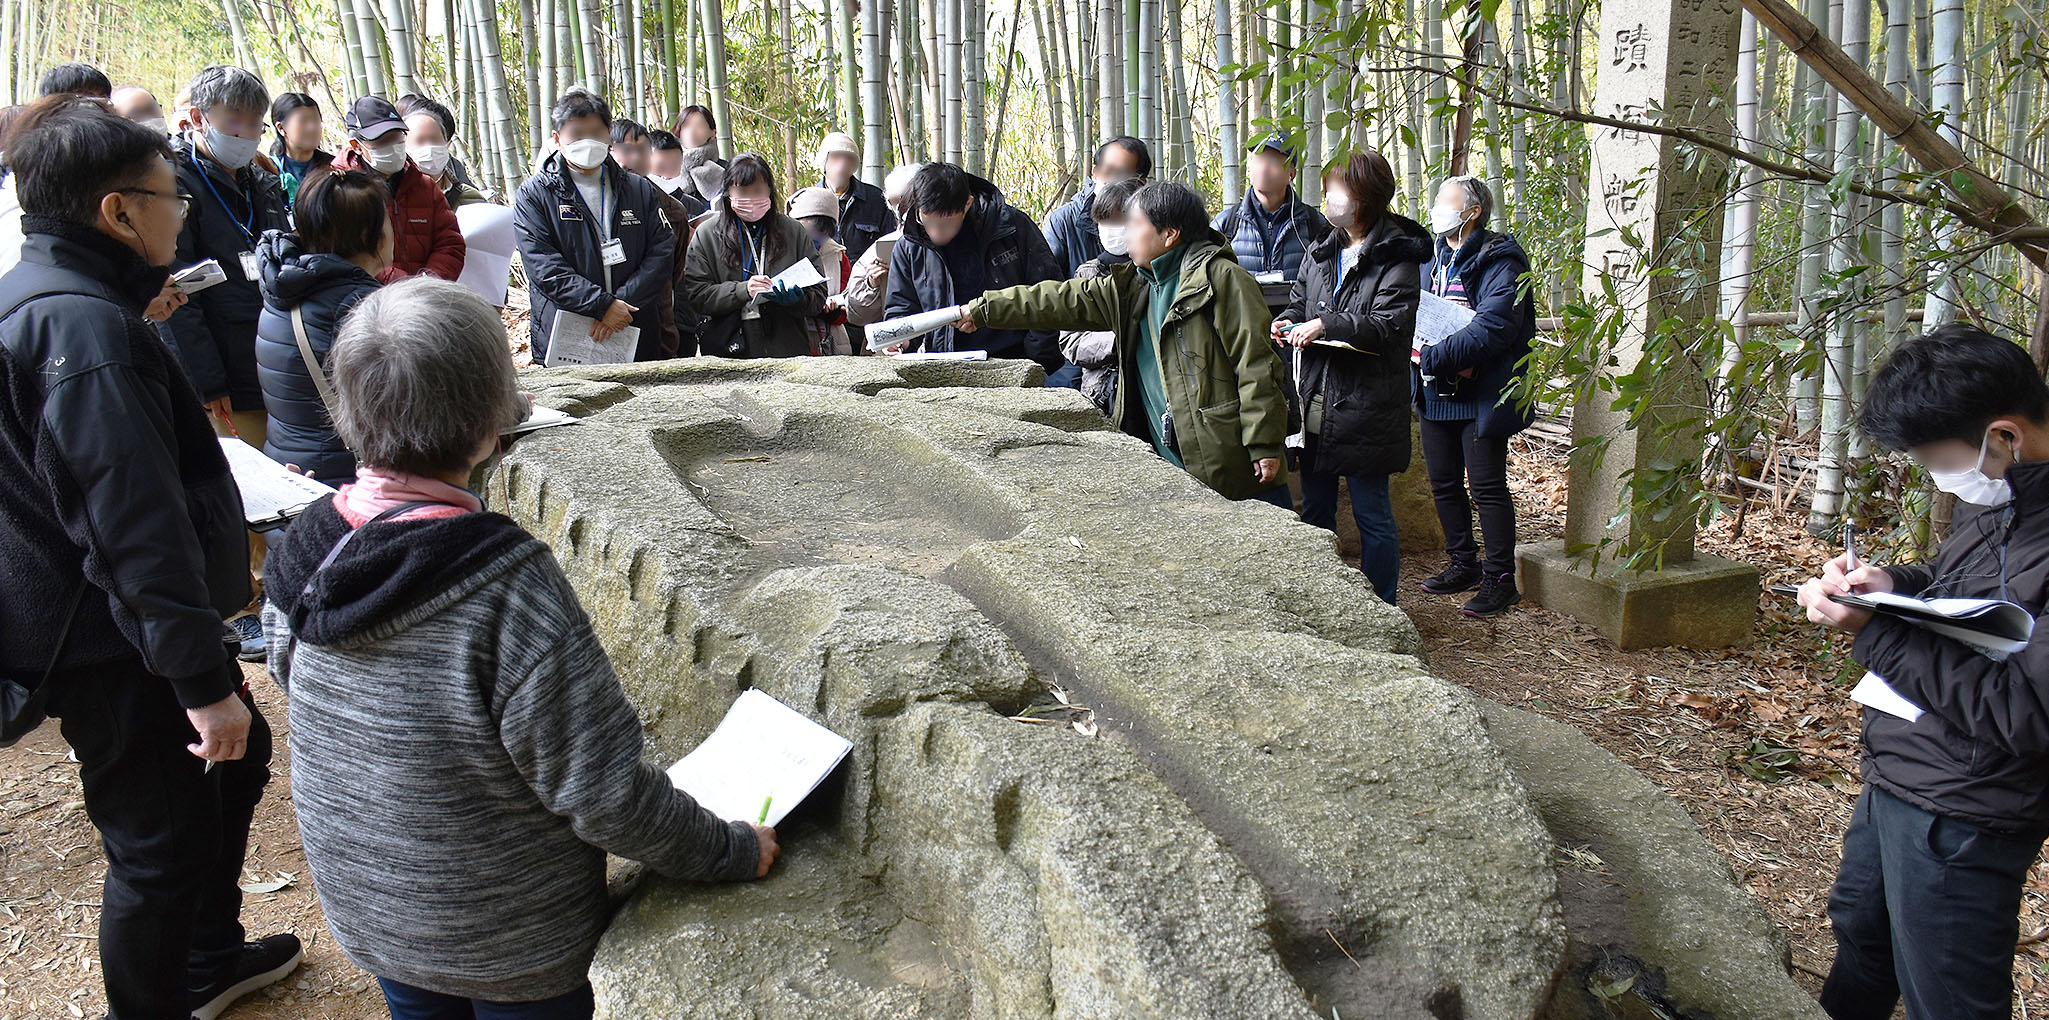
x: 463, y: 756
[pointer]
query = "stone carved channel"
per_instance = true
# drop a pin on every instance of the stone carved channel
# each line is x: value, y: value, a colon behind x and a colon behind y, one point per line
x: 1283, y: 815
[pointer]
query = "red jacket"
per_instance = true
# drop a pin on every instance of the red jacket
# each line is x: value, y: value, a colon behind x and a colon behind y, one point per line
x: 427, y: 238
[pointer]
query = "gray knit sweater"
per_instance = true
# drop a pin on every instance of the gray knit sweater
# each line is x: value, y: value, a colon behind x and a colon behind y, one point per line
x: 463, y: 756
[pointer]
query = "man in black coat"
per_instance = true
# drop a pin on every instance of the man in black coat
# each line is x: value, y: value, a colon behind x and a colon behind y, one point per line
x: 864, y: 214
x: 233, y: 203
x: 963, y: 239
x: 122, y: 539
x: 591, y: 235
x: 1956, y: 796
x: 1071, y: 229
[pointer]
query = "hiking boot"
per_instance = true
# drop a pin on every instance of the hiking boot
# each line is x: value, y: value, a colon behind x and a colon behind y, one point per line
x: 1497, y: 594
x: 249, y: 635
x: 260, y: 965
x: 1461, y: 574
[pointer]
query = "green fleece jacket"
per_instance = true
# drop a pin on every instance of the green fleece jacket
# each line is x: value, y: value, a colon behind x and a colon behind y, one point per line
x: 1222, y: 378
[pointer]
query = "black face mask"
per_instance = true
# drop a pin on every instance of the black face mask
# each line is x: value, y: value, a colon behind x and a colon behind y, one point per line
x: 132, y: 277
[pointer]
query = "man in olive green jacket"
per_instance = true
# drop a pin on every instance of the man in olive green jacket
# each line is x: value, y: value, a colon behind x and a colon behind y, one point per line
x: 1199, y: 378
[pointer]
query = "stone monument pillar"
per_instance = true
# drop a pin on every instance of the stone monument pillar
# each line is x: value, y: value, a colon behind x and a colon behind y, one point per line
x: 1654, y: 238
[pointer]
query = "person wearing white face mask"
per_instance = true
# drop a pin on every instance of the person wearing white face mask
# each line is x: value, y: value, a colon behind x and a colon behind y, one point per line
x: 430, y: 130
x: 428, y: 237
x: 592, y: 236
x: 233, y: 204
x: 1094, y: 351
x: 1955, y: 801
x: 1465, y: 386
x: 729, y: 273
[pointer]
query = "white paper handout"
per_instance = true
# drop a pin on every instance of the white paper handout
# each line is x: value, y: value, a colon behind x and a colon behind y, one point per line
x: 271, y: 495
x: 488, y: 235
x: 763, y: 752
x: 911, y: 327
x: 541, y: 418
x: 801, y: 274
x: 1438, y: 319
x: 945, y: 356
x: 1874, y: 692
x: 570, y: 343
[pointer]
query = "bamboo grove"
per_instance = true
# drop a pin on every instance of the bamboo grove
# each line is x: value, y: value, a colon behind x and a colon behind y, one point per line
x: 1835, y: 247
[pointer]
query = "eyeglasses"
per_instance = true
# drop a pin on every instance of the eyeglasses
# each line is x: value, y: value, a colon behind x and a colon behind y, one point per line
x: 186, y: 203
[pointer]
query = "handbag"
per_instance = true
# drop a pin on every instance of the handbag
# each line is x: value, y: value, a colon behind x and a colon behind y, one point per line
x: 22, y: 709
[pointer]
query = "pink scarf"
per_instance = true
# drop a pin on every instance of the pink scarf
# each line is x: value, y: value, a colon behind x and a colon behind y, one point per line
x: 376, y: 490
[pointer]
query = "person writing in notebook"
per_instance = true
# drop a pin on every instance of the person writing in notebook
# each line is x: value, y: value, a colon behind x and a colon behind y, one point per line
x: 1956, y: 803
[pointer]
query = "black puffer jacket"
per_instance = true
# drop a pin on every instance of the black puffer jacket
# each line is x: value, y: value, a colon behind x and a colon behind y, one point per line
x: 323, y: 287
x: 1366, y: 402
x: 1011, y: 252
x: 109, y: 472
x: 1981, y: 753
x: 215, y: 334
x: 564, y: 258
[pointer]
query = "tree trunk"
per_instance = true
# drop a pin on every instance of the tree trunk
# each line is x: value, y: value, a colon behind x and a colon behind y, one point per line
x: 715, y: 72
x: 352, y: 45
x: 1003, y: 93
x: 1229, y: 145
x: 239, y: 33
x: 530, y: 79
x: 398, y: 31
x: 1899, y: 79
x: 1182, y: 119
x: 974, y: 88
x: 875, y: 137
x: 504, y: 128
x: 587, y: 23
x: 852, y: 85
x: 372, y: 36
x: 1110, y: 102
x: 1840, y: 366
x: 545, y: 44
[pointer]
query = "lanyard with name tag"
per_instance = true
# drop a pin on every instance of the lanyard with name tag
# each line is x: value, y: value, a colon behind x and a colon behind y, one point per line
x: 615, y: 252
x: 248, y: 265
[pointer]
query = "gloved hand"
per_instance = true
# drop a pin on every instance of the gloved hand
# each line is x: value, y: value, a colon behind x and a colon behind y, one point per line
x: 785, y: 295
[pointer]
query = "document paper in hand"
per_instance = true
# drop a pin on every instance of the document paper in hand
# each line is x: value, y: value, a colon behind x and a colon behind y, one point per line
x: 911, y: 327
x: 570, y: 343
x: 1438, y: 319
x: 801, y: 274
x: 271, y: 495
x: 762, y: 749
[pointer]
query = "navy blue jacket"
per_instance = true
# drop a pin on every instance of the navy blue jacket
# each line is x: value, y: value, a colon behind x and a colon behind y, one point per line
x: 1071, y: 231
x: 565, y: 260
x: 1012, y: 251
x: 864, y: 216
x: 214, y: 334
x: 110, y: 478
x: 1495, y: 343
x: 1261, y: 250
x: 323, y: 287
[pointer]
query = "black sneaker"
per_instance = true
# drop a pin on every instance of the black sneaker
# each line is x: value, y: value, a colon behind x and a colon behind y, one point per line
x: 1461, y: 574
x: 262, y: 964
x: 249, y: 637
x: 1497, y: 594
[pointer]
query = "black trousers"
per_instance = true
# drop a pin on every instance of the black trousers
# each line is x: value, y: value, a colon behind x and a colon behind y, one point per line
x: 175, y: 835
x: 1926, y: 908
x: 1468, y: 473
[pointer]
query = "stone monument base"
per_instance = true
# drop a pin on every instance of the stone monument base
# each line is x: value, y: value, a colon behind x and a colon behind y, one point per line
x: 1707, y: 602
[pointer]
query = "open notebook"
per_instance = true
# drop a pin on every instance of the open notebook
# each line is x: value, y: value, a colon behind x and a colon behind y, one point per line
x: 271, y: 495
x: 760, y: 763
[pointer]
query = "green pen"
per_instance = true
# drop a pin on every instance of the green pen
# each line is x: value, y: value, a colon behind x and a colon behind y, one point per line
x: 765, y: 802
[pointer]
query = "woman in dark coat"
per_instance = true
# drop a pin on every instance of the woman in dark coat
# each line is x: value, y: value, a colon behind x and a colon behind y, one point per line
x: 319, y: 271
x: 1350, y: 321
x: 730, y: 270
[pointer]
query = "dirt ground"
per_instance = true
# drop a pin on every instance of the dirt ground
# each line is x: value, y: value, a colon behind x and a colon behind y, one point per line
x: 1759, y: 744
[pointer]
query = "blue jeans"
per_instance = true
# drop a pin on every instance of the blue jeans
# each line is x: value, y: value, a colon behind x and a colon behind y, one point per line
x: 1927, y: 908
x: 1380, y: 549
x: 409, y: 1003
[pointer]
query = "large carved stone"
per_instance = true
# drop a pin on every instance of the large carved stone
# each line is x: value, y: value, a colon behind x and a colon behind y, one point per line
x: 1277, y: 812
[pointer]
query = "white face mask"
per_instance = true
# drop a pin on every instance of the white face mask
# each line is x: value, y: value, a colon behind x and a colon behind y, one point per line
x: 431, y: 159
x: 1973, y: 485
x: 1446, y: 220
x: 231, y: 151
x: 1113, y: 238
x: 1339, y: 212
x: 667, y: 183
x: 386, y: 159
x: 587, y: 154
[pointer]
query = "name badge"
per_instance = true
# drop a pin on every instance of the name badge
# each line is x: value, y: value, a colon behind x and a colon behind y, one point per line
x: 248, y: 265
x: 615, y: 252
x: 569, y: 212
